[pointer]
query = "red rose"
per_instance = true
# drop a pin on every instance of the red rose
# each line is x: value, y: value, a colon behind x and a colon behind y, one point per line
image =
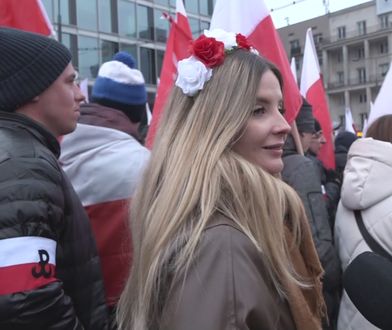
x: 242, y: 41
x: 209, y: 51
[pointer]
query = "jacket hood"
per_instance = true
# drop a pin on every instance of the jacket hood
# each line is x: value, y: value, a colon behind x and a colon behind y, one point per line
x: 368, y: 169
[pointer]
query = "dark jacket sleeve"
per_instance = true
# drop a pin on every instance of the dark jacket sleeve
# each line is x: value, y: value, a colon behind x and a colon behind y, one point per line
x: 227, y: 287
x: 31, y: 205
x: 302, y: 175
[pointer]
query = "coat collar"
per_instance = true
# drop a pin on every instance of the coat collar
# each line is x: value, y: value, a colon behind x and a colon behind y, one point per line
x: 13, y: 119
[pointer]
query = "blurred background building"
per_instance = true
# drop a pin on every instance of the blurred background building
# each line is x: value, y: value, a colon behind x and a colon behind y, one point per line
x: 94, y: 30
x: 354, y: 44
x: 354, y: 47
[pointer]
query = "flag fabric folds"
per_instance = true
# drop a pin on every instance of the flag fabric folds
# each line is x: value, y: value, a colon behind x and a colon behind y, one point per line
x: 382, y: 104
x: 252, y: 19
x: 28, y: 15
x: 349, y: 123
x: 313, y: 90
x: 177, y: 48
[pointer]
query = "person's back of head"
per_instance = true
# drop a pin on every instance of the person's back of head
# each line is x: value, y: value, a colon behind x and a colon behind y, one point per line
x: 381, y: 129
x: 345, y: 139
x: 121, y: 86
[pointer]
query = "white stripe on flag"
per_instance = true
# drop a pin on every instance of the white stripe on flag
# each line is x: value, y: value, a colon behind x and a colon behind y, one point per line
x: 24, y: 250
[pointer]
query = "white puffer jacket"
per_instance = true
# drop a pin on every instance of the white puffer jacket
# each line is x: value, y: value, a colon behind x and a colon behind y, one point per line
x: 367, y: 186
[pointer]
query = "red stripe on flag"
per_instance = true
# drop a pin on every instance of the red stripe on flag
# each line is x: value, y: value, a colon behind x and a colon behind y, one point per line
x: 267, y: 41
x: 19, y: 278
x: 24, y: 15
x: 177, y: 48
x: 109, y: 222
x: 315, y: 95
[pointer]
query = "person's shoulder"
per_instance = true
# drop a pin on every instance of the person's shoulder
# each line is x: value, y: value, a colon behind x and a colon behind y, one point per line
x: 223, y: 233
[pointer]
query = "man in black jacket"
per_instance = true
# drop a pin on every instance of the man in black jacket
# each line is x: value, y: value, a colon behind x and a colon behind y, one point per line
x: 50, y: 276
x: 302, y: 175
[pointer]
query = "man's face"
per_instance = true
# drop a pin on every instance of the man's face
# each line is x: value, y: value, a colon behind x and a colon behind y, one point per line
x: 317, y: 142
x: 57, y: 108
x: 306, y: 139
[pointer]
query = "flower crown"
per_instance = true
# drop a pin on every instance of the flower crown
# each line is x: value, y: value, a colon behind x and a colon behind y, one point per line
x: 208, y: 51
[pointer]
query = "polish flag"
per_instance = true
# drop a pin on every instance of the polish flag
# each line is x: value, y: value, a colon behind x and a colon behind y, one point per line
x: 105, y: 165
x: 349, y: 122
x: 28, y: 15
x: 382, y: 104
x: 294, y: 69
x: 252, y: 19
x: 177, y: 48
x: 313, y: 90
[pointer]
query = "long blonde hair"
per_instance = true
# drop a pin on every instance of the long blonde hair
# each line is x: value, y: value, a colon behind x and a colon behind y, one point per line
x: 194, y: 173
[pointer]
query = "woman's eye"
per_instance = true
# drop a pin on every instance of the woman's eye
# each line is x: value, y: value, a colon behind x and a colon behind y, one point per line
x: 259, y: 111
x: 282, y: 109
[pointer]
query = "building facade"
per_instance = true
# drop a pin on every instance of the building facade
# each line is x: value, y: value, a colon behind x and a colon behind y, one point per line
x: 94, y: 30
x: 355, y: 50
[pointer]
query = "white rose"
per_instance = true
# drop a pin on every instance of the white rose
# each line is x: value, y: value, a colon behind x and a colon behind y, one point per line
x: 192, y: 75
x: 254, y: 51
x: 228, y: 38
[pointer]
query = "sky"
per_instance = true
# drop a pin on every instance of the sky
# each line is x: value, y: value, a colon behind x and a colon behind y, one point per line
x: 302, y: 10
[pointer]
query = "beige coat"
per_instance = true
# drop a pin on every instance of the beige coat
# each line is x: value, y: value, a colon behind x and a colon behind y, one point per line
x: 227, y: 287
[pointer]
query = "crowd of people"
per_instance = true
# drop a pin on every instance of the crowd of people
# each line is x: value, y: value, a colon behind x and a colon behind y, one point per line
x: 231, y: 221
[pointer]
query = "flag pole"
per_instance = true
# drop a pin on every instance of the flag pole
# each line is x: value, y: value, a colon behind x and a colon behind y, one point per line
x: 296, y: 137
x: 59, y: 27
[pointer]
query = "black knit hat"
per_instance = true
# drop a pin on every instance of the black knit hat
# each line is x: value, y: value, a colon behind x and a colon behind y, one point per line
x: 305, y: 119
x: 29, y: 64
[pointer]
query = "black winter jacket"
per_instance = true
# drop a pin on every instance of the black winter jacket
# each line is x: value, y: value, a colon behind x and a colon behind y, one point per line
x: 302, y: 175
x: 37, y: 203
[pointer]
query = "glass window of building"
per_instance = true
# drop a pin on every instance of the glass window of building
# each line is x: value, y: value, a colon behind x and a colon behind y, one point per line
x: 204, y: 26
x: 131, y: 49
x: 105, y: 15
x: 206, y: 7
x: 361, y: 27
x: 172, y: 3
x: 195, y: 26
x: 69, y: 41
x: 361, y: 75
x: 147, y: 65
x: 162, y: 2
x: 127, y: 19
x: 384, y: 21
x: 88, y: 57
x: 191, y: 6
x: 341, y: 32
x: 159, y: 54
x: 48, y: 4
x: 86, y: 13
x: 64, y: 12
x: 145, y: 22
x: 161, y: 26
x: 108, y: 49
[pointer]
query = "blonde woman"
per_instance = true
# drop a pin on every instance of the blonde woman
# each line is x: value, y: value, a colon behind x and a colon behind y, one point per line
x: 219, y: 241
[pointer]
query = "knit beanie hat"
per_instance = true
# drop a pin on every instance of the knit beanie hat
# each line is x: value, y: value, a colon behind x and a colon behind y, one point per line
x: 305, y: 119
x: 345, y: 139
x: 120, y: 86
x: 317, y: 126
x: 29, y: 64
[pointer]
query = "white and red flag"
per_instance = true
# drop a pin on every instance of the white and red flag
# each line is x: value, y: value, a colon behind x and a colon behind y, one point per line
x: 28, y: 15
x: 177, y: 48
x: 349, y: 122
x: 382, y: 104
x: 252, y: 19
x: 313, y: 90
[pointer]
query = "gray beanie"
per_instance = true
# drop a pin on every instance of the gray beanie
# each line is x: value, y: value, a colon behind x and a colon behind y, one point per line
x: 305, y: 119
x: 29, y: 64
